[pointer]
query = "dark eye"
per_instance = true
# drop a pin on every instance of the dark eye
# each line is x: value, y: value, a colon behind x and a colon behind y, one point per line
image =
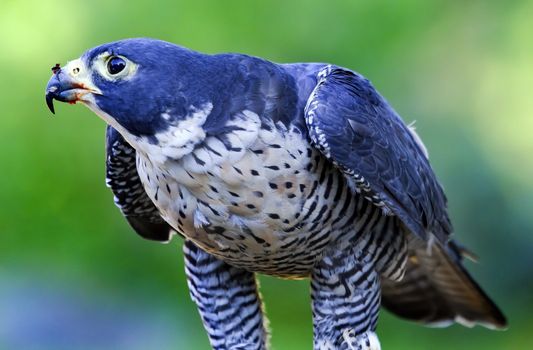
x: 115, y: 65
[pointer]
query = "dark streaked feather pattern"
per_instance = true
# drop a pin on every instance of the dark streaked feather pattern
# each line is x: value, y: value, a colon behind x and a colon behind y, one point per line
x: 357, y: 129
x: 130, y: 197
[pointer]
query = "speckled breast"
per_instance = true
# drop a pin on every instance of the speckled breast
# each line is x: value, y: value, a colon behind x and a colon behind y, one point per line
x: 260, y: 198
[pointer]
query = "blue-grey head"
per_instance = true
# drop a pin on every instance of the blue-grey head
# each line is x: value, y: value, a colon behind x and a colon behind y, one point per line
x: 139, y: 86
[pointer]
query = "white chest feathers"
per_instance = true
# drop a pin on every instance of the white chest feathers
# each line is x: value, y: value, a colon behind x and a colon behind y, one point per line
x: 245, y: 174
x: 179, y: 139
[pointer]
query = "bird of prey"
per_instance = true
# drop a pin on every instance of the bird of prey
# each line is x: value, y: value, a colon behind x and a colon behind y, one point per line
x: 292, y: 170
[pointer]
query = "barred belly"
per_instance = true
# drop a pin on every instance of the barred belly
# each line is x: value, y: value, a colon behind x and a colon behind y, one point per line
x: 270, y: 205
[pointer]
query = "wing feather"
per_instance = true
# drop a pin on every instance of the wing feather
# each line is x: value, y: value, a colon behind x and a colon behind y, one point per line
x: 130, y: 197
x: 357, y: 129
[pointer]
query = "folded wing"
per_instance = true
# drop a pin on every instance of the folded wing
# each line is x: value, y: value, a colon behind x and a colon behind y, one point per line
x: 130, y: 197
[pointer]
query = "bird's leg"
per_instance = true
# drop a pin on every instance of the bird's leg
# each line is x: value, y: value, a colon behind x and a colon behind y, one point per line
x: 228, y: 301
x: 346, y: 299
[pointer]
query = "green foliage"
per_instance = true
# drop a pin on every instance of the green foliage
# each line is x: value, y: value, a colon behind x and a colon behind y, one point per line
x: 461, y: 69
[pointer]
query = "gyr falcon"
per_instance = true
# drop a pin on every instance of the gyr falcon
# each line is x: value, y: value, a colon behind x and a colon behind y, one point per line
x: 292, y: 170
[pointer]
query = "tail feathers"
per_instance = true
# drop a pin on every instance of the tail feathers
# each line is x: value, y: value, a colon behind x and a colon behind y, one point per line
x: 437, y: 291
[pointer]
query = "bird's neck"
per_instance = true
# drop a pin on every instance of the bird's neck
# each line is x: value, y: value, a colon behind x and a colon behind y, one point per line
x: 177, y: 140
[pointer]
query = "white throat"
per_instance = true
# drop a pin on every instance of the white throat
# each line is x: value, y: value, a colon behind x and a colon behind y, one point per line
x: 178, y: 140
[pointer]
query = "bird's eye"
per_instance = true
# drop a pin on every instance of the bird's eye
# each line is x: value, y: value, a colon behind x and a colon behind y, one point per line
x: 115, y: 65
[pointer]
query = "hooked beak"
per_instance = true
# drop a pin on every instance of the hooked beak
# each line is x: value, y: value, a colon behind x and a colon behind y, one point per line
x: 64, y: 86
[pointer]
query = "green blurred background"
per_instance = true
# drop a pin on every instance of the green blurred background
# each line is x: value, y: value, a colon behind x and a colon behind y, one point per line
x: 73, y: 275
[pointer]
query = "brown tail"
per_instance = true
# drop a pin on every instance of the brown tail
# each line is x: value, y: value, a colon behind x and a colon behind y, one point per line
x: 437, y: 291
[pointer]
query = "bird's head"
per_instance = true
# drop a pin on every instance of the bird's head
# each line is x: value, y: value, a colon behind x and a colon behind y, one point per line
x: 139, y: 86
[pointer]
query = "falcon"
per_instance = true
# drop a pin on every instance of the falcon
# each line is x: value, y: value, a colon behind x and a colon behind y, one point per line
x: 292, y: 170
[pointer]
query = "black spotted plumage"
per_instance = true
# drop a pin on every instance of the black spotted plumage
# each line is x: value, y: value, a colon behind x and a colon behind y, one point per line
x: 292, y: 170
